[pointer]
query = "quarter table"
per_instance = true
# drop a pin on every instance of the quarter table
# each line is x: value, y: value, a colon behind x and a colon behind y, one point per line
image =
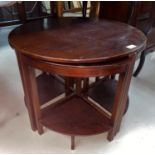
x: 69, y: 51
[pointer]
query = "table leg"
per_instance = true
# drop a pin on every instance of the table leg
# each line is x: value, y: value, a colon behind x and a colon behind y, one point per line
x: 26, y: 92
x: 31, y: 94
x: 35, y: 97
x: 120, y: 99
x: 72, y: 142
x: 85, y: 86
x: 78, y: 86
x: 69, y: 84
x: 125, y: 95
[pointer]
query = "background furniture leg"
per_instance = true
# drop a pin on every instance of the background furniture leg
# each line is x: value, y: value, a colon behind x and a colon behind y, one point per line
x: 140, y: 65
x: 59, y: 8
x: 22, y: 12
x: 84, y: 8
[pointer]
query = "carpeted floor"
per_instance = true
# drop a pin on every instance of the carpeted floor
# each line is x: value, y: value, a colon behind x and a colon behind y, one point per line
x: 137, y: 132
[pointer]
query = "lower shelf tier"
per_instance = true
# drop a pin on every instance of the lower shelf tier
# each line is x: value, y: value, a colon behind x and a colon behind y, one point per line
x: 75, y: 117
x: 49, y: 87
x: 104, y: 92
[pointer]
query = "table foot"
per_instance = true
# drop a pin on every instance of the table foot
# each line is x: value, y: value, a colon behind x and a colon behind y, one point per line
x: 72, y: 142
x: 40, y: 129
x: 110, y: 136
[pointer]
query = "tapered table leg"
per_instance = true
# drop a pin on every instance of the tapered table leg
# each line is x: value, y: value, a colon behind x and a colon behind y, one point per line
x: 121, y: 99
x: 27, y: 93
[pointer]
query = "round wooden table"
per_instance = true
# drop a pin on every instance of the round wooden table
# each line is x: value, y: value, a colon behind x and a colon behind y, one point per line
x: 69, y: 51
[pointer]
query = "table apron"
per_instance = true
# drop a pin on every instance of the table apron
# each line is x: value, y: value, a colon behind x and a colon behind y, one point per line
x: 77, y: 71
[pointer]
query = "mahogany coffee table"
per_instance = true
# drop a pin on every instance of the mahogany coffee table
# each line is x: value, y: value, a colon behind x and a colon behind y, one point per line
x: 69, y: 51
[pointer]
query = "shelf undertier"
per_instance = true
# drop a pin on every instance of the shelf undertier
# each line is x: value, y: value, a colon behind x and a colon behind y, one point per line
x: 103, y: 93
x: 75, y: 117
x: 49, y: 87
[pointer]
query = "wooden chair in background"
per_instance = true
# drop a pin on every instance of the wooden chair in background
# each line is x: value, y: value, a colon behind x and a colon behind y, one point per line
x: 60, y: 8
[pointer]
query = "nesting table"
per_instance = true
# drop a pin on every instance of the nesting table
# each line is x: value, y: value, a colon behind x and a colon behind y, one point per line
x: 69, y: 52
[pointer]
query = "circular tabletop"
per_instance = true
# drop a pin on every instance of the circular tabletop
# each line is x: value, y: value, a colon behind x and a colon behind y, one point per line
x: 76, y: 40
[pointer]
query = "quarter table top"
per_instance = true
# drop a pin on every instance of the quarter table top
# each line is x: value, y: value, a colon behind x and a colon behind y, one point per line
x: 76, y: 40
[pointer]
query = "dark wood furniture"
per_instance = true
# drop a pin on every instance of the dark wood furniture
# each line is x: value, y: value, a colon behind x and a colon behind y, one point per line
x: 23, y: 11
x: 86, y: 48
x: 136, y: 13
x: 56, y: 9
x: 60, y: 8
